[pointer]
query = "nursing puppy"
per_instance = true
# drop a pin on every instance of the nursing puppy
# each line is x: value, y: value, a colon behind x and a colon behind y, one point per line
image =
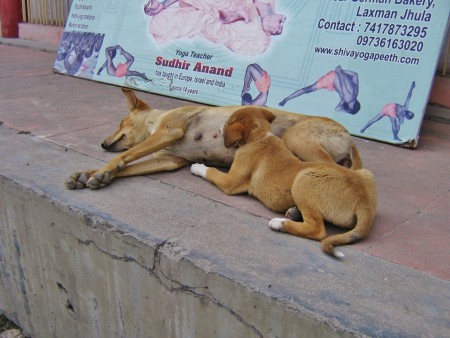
x: 266, y: 169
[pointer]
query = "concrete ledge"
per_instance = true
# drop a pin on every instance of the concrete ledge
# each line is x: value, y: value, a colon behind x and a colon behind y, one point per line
x: 146, y: 259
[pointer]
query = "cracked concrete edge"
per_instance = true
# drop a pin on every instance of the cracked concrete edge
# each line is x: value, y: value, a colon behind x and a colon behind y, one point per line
x: 166, y: 266
x: 161, y: 268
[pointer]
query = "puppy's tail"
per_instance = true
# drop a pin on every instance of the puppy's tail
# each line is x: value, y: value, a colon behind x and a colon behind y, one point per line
x: 356, y: 159
x: 364, y: 218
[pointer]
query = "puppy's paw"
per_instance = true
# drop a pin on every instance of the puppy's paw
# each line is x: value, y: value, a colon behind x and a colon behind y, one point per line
x: 199, y: 169
x: 78, y: 180
x: 276, y: 224
x: 294, y: 214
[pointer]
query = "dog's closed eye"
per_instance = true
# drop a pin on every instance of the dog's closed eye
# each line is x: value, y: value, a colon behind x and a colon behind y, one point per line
x: 122, y: 137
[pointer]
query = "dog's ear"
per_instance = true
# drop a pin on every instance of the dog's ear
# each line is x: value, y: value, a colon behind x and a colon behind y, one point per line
x: 134, y: 103
x: 268, y: 115
x: 233, y: 133
x: 257, y: 112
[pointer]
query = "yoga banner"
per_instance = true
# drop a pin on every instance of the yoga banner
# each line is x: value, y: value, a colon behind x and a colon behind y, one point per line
x: 369, y: 64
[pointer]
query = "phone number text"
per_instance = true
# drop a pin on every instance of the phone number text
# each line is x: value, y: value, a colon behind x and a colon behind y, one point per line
x: 401, y: 44
x: 396, y: 29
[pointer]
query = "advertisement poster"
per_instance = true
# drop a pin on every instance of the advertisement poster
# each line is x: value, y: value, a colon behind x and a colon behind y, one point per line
x: 368, y: 64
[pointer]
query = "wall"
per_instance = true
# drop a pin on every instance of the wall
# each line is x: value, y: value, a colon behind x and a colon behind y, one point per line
x: 65, y: 274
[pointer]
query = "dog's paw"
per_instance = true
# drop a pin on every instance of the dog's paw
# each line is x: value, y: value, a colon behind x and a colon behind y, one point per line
x: 294, y: 214
x: 78, y: 180
x: 199, y: 169
x: 99, y: 180
x: 276, y: 224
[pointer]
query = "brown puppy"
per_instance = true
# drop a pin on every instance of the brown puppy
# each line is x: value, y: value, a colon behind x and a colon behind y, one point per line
x: 265, y: 168
x: 179, y: 136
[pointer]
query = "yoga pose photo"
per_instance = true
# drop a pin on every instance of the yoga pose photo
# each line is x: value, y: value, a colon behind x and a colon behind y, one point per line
x: 243, y: 26
x: 78, y: 53
x: 344, y: 82
x: 121, y: 69
x: 261, y: 79
x: 396, y: 113
x: 74, y: 59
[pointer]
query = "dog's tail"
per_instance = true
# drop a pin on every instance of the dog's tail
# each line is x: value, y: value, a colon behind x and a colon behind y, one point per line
x: 356, y: 159
x: 364, y: 213
x: 364, y: 218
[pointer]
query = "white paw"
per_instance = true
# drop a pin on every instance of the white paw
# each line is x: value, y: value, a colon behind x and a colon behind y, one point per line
x: 277, y: 223
x: 199, y: 169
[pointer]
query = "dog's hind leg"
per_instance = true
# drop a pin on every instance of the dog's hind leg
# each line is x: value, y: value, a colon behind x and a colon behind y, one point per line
x: 356, y: 159
x: 312, y: 226
x: 307, y: 151
x: 307, y: 147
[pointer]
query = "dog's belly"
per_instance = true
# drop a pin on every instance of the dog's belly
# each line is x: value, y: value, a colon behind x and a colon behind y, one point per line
x: 203, y: 140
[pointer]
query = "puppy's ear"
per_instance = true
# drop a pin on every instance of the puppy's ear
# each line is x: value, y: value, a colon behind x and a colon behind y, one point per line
x: 233, y: 133
x: 134, y: 103
x: 268, y: 115
x: 258, y: 112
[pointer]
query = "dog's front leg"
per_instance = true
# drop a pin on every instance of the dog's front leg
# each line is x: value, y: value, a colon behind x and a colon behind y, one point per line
x: 78, y: 180
x: 153, y: 165
x: 227, y: 182
x: 157, y: 141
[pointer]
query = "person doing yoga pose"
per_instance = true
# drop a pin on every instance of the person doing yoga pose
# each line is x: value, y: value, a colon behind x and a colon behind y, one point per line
x: 121, y: 69
x: 396, y: 113
x: 262, y: 82
x: 344, y: 82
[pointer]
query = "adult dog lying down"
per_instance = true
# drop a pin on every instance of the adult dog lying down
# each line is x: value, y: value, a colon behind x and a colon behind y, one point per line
x: 183, y: 135
x: 265, y: 168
